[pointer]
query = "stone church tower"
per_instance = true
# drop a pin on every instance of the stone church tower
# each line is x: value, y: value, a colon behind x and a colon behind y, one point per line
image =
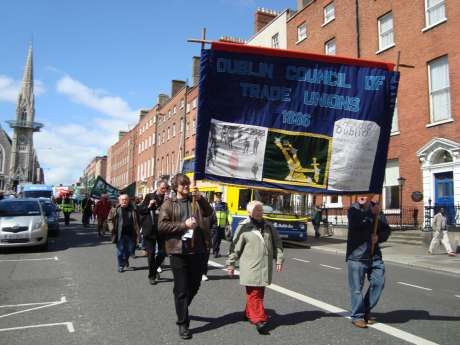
x: 23, y: 161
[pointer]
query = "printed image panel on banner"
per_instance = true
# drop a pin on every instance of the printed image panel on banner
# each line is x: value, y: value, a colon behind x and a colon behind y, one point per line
x: 236, y: 151
x: 297, y: 158
x: 279, y: 119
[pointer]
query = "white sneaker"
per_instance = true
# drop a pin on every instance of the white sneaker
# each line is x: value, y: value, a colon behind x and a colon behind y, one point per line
x: 204, y: 278
x: 159, y: 270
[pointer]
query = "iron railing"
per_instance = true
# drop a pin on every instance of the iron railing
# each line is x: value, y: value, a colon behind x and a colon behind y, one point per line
x: 400, y: 219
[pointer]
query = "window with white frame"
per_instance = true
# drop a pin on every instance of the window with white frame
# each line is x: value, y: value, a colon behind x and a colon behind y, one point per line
x: 169, y: 133
x: 334, y: 201
x: 181, y: 125
x: 194, y: 103
x: 193, y: 124
x: 174, y: 110
x: 435, y: 12
x: 174, y: 130
x: 153, y: 139
x: 394, y: 122
x: 329, y: 13
x: 391, y: 185
x: 329, y: 47
x: 275, y: 41
x: 302, y: 32
x: 386, y: 37
x: 159, y: 139
x: 439, y: 87
x: 188, y: 107
x: 163, y: 137
x: 182, y: 104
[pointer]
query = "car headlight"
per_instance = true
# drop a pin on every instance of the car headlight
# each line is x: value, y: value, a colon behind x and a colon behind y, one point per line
x: 37, y: 226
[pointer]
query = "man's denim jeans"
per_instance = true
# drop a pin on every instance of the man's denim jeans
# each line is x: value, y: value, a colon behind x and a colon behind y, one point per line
x: 125, y: 247
x: 363, y: 303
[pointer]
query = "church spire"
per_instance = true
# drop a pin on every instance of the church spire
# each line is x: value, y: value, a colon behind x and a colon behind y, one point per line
x: 27, y: 86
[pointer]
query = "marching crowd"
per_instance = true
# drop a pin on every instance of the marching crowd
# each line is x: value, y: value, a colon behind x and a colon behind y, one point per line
x: 177, y: 221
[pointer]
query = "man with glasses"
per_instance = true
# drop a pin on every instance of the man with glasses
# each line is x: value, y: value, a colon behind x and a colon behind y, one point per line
x: 187, y: 240
x: 364, y: 257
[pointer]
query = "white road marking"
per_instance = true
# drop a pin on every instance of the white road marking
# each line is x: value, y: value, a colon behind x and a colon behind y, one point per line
x: 38, y: 259
x: 69, y: 326
x: 415, y: 286
x: 395, y: 332
x: 457, y: 296
x: 327, y: 266
x: 49, y: 304
x: 300, y: 260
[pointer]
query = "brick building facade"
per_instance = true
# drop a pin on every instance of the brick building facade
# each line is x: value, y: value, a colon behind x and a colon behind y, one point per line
x: 425, y: 142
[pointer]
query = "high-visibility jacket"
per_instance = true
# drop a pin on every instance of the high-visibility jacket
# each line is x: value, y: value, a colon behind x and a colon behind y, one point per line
x: 67, y: 206
x: 221, y: 210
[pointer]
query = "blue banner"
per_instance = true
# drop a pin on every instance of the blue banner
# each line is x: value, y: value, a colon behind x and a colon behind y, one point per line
x: 287, y: 120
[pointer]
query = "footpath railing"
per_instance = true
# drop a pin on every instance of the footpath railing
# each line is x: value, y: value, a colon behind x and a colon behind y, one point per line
x: 405, y: 219
x: 452, y: 213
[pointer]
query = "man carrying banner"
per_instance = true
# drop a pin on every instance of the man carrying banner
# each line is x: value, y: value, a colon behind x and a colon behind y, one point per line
x: 187, y: 238
x: 364, y: 257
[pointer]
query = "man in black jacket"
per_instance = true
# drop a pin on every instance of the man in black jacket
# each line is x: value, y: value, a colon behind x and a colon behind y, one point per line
x: 149, y: 211
x: 365, y: 257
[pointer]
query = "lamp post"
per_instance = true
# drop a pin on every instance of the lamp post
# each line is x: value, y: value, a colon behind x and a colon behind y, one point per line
x: 401, y: 182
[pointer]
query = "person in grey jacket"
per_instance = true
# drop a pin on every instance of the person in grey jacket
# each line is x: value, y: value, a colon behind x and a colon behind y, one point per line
x: 255, y: 244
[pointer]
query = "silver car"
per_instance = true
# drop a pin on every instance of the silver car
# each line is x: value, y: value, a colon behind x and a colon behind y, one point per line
x: 22, y: 223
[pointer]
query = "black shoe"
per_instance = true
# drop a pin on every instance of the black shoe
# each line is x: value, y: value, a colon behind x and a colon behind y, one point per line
x: 184, y: 332
x: 262, y: 327
x: 153, y: 281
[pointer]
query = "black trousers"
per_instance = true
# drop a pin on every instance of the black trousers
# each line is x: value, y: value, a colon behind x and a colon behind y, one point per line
x: 66, y: 218
x: 187, y: 271
x: 85, y: 218
x: 217, y: 239
x: 154, y: 261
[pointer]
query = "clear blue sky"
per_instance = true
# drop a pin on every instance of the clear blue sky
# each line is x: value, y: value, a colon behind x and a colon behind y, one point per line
x: 97, y: 62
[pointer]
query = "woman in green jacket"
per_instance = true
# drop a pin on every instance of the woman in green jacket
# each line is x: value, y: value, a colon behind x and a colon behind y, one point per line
x: 255, y: 244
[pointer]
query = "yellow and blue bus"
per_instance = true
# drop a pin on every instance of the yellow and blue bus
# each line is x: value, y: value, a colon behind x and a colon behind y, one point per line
x: 283, y: 209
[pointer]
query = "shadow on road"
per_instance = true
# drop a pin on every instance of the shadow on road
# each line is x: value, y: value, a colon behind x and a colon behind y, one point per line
x: 276, y: 320
x: 403, y: 316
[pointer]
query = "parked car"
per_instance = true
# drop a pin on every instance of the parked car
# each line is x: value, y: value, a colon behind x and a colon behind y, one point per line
x: 52, y: 215
x: 22, y: 223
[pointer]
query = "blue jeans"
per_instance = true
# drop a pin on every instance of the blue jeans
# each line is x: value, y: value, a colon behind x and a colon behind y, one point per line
x: 125, y: 247
x: 362, y: 304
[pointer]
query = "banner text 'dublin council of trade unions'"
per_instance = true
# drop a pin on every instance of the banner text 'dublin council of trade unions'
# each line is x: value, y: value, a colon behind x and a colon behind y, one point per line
x: 279, y: 119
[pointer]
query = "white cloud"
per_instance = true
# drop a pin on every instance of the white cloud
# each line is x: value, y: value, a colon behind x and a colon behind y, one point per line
x: 65, y: 151
x: 96, y: 99
x: 9, y: 88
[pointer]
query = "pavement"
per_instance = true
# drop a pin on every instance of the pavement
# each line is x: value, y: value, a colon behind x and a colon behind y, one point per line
x: 404, y: 254
x: 72, y: 294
